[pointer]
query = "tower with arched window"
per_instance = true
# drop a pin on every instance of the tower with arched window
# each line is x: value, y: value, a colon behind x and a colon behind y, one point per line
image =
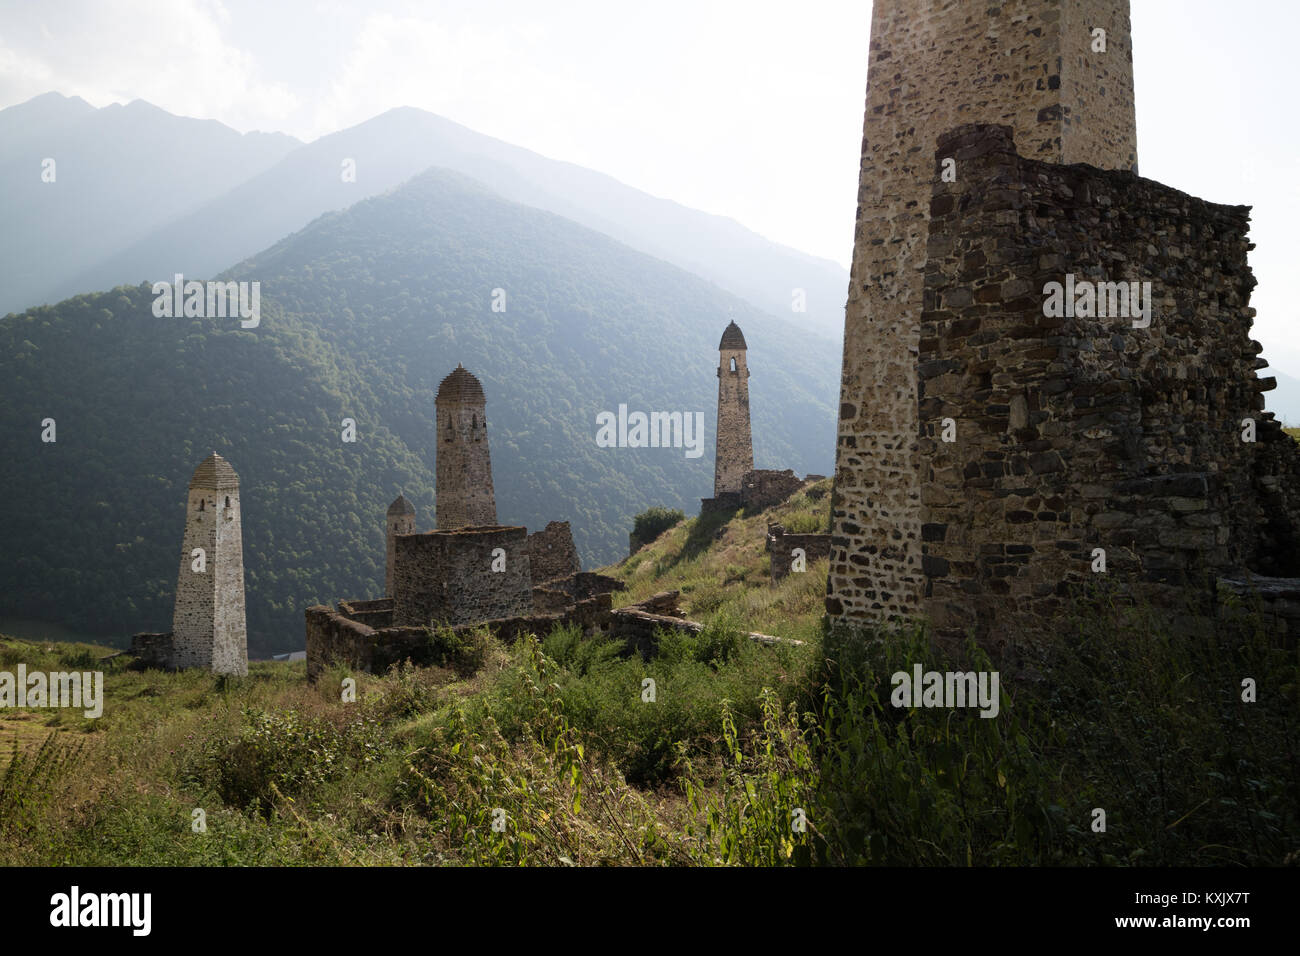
x: 735, y: 448
x: 464, y: 469
x: 208, y: 625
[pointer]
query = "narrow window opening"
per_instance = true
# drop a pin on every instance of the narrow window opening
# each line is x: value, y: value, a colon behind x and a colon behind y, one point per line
x: 733, y: 364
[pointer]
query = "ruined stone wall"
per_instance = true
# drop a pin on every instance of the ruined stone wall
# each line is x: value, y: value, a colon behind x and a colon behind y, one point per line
x: 936, y: 64
x: 781, y: 547
x: 152, y: 650
x: 447, y: 577
x: 767, y: 487
x: 552, y: 553
x: 333, y: 638
x: 727, y: 501
x: 376, y: 613
x: 735, y: 450
x: 1072, y: 433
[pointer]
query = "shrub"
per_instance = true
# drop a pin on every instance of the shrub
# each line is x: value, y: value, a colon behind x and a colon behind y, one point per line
x: 653, y: 522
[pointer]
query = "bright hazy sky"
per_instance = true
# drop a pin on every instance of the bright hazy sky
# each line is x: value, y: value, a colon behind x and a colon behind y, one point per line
x: 747, y: 108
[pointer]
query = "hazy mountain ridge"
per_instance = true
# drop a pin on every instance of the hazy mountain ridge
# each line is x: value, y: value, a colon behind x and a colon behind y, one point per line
x: 252, y: 211
x: 117, y: 174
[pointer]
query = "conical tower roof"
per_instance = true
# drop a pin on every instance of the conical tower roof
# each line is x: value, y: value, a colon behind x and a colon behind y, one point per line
x: 401, y: 507
x: 732, y: 338
x: 215, y: 474
x: 461, y: 387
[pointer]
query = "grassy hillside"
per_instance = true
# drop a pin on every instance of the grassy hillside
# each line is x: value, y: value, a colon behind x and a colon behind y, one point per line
x: 363, y: 313
x: 719, y: 564
x: 558, y: 735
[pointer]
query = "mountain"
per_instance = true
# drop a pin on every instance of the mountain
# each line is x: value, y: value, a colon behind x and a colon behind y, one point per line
x: 363, y: 312
x: 399, y: 144
x: 119, y: 173
x: 1283, y: 401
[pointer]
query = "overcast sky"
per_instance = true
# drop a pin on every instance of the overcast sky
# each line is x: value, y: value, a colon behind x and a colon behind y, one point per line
x: 746, y: 108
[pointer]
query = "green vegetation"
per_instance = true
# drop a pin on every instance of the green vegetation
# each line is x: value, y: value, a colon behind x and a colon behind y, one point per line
x: 1122, y: 712
x: 363, y: 313
x: 653, y: 522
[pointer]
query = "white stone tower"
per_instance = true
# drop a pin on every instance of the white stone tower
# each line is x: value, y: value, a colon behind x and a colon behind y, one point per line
x: 735, y: 448
x: 208, y: 627
x: 464, y: 468
x: 401, y: 520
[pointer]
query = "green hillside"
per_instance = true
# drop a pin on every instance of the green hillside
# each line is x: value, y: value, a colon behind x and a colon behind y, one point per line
x: 364, y: 312
x: 1124, y: 713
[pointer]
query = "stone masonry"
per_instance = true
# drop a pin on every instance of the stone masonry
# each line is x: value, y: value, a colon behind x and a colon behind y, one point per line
x: 208, y: 627
x: 1080, y: 432
x: 935, y: 65
x: 462, y: 576
x: 464, y: 469
x: 781, y: 549
x: 735, y: 449
x: 400, y: 520
x: 552, y: 553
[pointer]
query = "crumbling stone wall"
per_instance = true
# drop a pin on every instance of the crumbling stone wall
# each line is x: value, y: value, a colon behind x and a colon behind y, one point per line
x: 936, y: 64
x: 763, y: 488
x: 781, y: 547
x: 333, y: 638
x: 376, y: 613
x: 1072, y: 433
x: 447, y: 577
x: 152, y: 650
x: 766, y: 488
x: 552, y: 553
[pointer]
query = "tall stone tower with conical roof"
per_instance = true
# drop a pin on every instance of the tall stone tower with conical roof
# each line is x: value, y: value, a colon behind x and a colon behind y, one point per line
x: 1060, y: 75
x: 401, y: 520
x: 464, y: 471
x: 735, y: 448
x: 208, y: 627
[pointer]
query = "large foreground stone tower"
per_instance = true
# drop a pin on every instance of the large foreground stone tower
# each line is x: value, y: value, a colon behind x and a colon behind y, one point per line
x: 1060, y: 75
x: 208, y: 624
x: 464, y: 474
x: 735, y: 448
x: 400, y: 520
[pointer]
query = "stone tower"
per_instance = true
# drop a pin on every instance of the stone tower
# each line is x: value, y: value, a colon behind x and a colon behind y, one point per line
x: 735, y: 449
x: 1041, y: 67
x: 465, y: 495
x: 208, y: 625
x: 401, y: 520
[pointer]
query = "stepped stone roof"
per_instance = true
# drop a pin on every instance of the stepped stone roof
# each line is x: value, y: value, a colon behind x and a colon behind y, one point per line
x: 215, y: 474
x: 461, y: 387
x: 732, y: 338
x: 401, y: 506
